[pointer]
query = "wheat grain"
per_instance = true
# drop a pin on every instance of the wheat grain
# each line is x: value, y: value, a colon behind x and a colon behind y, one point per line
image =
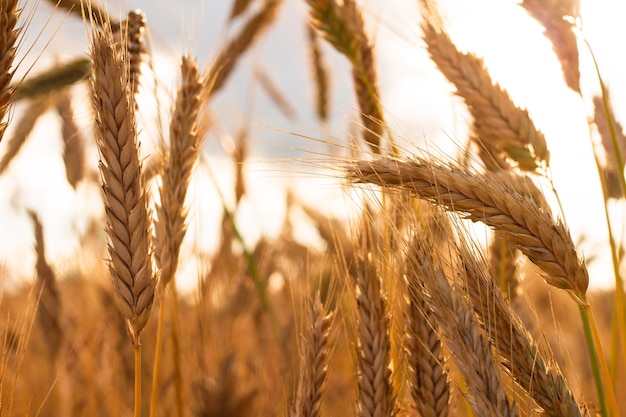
x: 128, y: 219
x: 493, y: 201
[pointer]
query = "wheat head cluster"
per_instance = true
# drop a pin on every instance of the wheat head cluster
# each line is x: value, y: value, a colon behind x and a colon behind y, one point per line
x: 403, y: 310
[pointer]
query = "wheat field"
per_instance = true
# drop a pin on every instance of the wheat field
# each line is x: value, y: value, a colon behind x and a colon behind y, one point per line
x: 448, y: 284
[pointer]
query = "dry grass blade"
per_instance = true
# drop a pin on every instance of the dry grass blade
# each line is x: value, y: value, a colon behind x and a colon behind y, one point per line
x: 54, y: 79
x: 185, y: 141
x: 23, y: 129
x: 498, y: 123
x: 320, y: 75
x: 559, y: 32
x: 73, y: 140
x: 429, y: 384
x: 227, y: 57
x: 376, y: 397
x: 313, y: 362
x: 49, y: 309
x: 461, y: 334
x: 517, y: 351
x: 492, y: 200
x: 9, y: 15
x: 613, y: 172
x: 128, y: 220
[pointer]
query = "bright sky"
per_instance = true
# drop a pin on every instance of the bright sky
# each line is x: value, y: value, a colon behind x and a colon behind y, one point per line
x: 417, y: 100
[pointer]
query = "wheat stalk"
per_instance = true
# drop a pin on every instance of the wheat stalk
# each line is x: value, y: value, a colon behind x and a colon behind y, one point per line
x: 489, y: 199
x: 128, y: 219
x: 498, y: 123
x: 9, y: 15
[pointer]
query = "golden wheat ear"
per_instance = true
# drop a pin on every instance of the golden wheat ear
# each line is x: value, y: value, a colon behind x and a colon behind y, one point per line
x: 343, y: 27
x: 494, y: 200
x: 126, y: 202
x: 461, y: 332
x: 314, y: 352
x: 517, y: 351
x: 9, y: 15
x: 185, y: 139
x: 554, y: 17
x: 500, y: 128
x: 375, y: 388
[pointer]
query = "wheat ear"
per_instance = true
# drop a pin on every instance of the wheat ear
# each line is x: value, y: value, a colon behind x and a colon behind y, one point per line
x: 489, y: 199
x: 320, y: 74
x: 9, y: 15
x: 502, y: 265
x: 73, y: 140
x: 498, y: 123
x: 376, y: 397
x: 49, y: 309
x: 54, y: 79
x: 314, y: 352
x: 128, y: 219
x: 429, y: 384
x: 343, y: 27
x: 559, y: 31
x: 460, y: 332
x: 518, y: 353
x: 179, y: 162
x: 23, y: 129
x: 615, y: 152
x: 227, y: 58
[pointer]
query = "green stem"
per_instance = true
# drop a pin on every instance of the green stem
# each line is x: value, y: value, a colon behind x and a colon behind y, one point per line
x: 606, y: 394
